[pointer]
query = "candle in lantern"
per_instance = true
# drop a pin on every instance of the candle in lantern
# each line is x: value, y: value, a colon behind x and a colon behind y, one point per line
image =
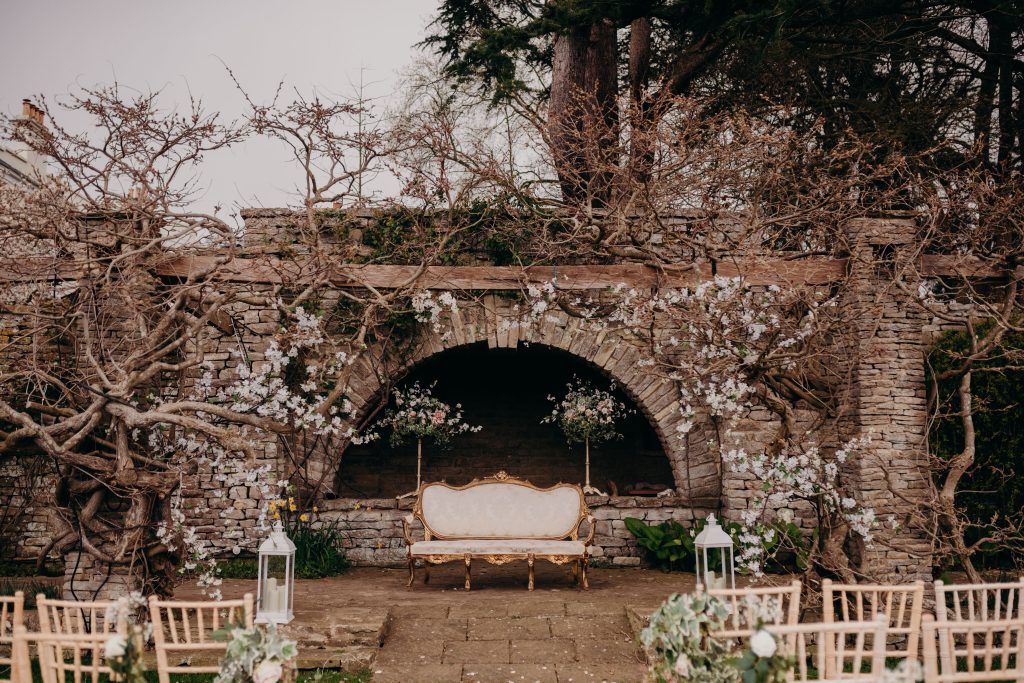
x: 270, y: 601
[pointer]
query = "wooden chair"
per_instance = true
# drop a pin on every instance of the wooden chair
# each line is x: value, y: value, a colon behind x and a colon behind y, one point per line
x: 187, y: 628
x: 863, y: 601
x: 63, y: 657
x: 839, y: 650
x: 979, y: 601
x: 72, y: 618
x: 12, y: 615
x: 980, y: 650
x: 743, y: 616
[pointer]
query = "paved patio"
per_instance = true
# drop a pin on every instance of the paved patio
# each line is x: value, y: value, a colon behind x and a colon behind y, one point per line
x: 499, y: 631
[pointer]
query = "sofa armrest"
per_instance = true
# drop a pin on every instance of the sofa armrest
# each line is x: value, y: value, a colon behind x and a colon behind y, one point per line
x: 407, y: 529
x: 590, y: 533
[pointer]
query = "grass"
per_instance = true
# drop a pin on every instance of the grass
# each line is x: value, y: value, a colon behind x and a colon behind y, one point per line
x: 238, y: 568
x: 22, y: 568
x: 317, y: 676
x: 30, y: 589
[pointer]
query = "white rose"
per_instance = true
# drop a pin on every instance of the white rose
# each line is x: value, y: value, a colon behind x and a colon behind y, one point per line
x: 763, y: 644
x: 682, y: 667
x: 116, y: 645
x: 267, y: 672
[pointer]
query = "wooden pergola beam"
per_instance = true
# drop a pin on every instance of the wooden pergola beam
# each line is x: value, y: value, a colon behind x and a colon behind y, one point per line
x: 272, y: 270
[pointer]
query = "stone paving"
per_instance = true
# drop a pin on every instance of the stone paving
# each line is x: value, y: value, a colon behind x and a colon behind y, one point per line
x: 497, y: 632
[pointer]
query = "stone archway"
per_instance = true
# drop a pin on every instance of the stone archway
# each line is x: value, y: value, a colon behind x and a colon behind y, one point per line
x: 495, y: 321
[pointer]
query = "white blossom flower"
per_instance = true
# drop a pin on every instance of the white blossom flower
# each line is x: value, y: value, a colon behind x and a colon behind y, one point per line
x: 763, y: 644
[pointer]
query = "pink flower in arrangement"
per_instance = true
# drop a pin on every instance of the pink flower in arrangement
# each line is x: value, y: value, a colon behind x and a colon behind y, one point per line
x: 438, y: 417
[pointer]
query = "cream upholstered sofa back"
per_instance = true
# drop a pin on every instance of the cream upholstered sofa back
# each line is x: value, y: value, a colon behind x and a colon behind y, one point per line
x: 497, y: 509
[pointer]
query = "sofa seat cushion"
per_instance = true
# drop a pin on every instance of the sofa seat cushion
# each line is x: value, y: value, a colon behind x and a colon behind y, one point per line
x: 510, y: 546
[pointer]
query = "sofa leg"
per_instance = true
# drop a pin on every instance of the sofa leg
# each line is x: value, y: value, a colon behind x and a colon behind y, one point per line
x: 412, y: 572
x: 426, y: 572
x: 467, y: 571
x: 529, y: 563
x: 586, y: 584
x: 576, y: 572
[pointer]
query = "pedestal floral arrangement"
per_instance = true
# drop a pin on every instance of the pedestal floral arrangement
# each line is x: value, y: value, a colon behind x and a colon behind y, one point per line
x: 418, y: 415
x: 587, y: 415
x: 256, y: 655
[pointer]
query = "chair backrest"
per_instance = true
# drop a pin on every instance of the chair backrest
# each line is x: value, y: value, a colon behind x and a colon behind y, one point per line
x: 12, y: 615
x: 780, y: 604
x: 73, y: 616
x: 979, y: 601
x: 186, y: 629
x: 63, y: 657
x: 849, y: 651
x: 982, y: 650
x: 902, y: 603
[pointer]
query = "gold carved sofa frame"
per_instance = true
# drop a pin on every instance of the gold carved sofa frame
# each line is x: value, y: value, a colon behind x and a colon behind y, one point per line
x: 558, y: 548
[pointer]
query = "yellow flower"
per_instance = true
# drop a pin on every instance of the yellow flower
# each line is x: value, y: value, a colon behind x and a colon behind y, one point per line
x: 277, y: 515
x: 291, y: 507
x: 316, y: 509
x: 303, y: 517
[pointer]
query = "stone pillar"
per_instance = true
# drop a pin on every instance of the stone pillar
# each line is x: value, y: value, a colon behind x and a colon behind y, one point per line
x: 86, y: 578
x: 887, y: 401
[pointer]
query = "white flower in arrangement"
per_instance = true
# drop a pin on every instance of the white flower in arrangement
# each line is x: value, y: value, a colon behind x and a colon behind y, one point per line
x: 115, y: 647
x: 763, y: 644
x: 587, y: 413
x: 418, y: 415
x: 267, y: 672
x: 682, y: 667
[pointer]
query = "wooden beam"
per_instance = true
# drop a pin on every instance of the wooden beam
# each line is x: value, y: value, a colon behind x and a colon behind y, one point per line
x: 273, y: 270
x: 943, y: 265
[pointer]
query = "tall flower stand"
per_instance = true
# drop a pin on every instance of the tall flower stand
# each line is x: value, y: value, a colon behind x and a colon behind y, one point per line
x: 587, y: 488
x: 419, y: 471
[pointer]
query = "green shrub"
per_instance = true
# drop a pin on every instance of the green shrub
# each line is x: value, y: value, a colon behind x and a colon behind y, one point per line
x: 319, y: 549
x: 669, y: 546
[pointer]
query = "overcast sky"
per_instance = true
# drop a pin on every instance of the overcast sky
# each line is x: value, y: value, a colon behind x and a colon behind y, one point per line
x: 48, y: 47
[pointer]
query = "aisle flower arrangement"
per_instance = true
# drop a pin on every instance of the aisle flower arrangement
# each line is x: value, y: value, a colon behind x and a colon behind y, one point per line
x: 256, y: 655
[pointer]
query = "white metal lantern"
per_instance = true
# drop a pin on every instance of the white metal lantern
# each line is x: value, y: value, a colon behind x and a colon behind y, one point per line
x: 275, y: 586
x: 713, y: 537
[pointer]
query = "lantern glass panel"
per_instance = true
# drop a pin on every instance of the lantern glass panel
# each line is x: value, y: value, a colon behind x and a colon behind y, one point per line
x: 274, y: 589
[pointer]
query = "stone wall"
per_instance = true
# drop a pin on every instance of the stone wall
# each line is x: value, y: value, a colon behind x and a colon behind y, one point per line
x: 888, y: 405
x: 373, y: 527
x: 26, y: 487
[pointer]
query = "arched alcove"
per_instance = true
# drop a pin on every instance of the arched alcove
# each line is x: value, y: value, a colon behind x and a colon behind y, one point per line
x: 505, y: 391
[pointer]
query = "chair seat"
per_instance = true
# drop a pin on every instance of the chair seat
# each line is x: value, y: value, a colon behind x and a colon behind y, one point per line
x: 509, y: 546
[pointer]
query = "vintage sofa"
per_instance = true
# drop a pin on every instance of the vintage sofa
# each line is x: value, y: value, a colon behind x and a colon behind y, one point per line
x: 499, y: 519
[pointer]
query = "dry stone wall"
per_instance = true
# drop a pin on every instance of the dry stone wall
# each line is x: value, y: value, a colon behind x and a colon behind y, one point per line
x: 888, y: 404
